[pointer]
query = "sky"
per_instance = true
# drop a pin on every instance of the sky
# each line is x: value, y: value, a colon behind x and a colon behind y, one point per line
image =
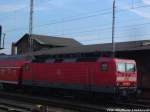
x: 88, y: 21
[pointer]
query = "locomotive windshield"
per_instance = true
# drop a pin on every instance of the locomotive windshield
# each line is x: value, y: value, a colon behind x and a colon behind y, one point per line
x: 130, y: 67
x: 121, y: 67
x: 125, y: 67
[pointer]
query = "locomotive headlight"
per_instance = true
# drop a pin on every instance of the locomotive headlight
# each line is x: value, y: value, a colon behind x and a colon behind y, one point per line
x: 118, y: 83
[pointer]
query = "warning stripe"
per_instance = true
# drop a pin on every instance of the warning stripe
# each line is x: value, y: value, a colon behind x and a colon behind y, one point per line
x: 126, y: 78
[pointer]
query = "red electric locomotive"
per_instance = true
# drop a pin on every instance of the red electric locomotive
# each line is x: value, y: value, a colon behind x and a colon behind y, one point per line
x: 105, y: 75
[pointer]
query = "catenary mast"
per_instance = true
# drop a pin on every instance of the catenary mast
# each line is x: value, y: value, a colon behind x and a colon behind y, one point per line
x: 113, y: 28
x: 31, y: 26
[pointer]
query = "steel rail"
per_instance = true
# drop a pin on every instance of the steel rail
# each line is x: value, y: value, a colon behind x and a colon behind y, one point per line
x: 70, y: 104
x: 54, y: 102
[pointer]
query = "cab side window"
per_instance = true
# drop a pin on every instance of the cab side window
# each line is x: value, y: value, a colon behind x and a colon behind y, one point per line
x: 104, y: 67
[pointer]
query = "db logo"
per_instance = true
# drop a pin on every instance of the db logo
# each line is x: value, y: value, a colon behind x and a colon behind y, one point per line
x: 58, y: 72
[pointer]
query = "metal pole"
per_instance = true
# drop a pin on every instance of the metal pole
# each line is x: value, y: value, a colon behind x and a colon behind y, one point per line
x: 31, y: 26
x: 0, y: 36
x: 4, y: 35
x: 113, y: 29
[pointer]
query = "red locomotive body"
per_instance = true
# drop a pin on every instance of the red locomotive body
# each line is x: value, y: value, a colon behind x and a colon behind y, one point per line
x: 106, y: 75
x: 11, y: 71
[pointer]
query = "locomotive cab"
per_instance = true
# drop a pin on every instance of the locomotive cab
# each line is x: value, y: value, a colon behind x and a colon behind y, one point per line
x: 126, y: 76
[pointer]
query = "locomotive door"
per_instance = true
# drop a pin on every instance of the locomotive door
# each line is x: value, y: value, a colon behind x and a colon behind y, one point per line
x: 34, y: 73
x: 101, y: 77
x: 35, y: 70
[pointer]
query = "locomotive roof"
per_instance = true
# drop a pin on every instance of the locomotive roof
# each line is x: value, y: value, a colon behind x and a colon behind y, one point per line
x: 18, y: 57
x: 107, y: 47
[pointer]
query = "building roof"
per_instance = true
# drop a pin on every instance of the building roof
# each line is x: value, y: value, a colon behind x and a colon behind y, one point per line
x: 121, y: 46
x: 51, y: 40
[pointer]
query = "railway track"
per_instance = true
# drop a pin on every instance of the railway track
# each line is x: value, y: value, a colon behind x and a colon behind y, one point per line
x: 12, y: 106
x: 17, y: 106
x: 26, y: 103
x: 134, y: 105
x: 29, y: 103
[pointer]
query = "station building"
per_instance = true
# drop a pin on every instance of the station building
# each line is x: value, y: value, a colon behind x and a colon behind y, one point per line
x: 40, y: 42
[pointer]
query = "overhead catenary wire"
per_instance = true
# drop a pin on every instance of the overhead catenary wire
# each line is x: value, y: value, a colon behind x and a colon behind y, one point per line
x: 100, y: 25
x: 125, y: 27
x: 99, y: 10
x: 108, y: 38
x: 75, y: 19
x: 84, y: 17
